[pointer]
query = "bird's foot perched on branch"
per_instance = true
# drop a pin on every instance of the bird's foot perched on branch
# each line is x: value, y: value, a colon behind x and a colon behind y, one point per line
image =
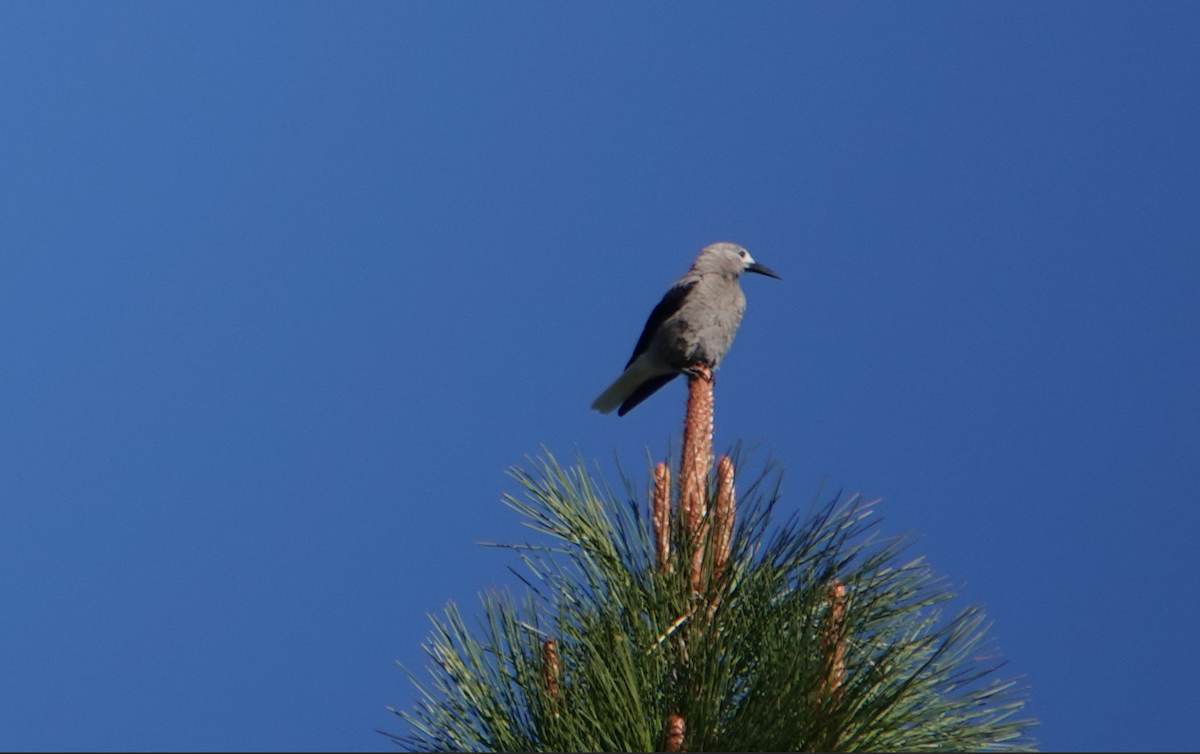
x: 699, y: 372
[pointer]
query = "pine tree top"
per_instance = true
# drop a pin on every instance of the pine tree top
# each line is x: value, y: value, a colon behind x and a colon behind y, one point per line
x: 814, y: 633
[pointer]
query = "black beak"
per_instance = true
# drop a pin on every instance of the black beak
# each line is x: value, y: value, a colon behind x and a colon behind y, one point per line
x: 756, y: 267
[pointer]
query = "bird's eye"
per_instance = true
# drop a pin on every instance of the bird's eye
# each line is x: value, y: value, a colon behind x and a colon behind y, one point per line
x: 742, y: 253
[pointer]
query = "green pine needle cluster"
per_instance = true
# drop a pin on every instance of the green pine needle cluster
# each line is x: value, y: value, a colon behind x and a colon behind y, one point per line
x: 606, y: 646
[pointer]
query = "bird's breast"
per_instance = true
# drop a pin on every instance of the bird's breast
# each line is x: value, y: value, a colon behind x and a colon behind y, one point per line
x: 702, y: 331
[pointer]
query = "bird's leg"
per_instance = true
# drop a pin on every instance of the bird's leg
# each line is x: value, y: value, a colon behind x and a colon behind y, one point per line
x: 699, y: 372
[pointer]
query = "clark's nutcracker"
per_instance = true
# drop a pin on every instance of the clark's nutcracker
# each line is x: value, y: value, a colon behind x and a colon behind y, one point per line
x: 692, y: 326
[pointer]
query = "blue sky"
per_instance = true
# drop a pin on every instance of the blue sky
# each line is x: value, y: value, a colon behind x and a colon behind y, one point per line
x: 284, y: 288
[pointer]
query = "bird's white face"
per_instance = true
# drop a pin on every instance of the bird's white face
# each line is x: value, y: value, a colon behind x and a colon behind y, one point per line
x: 728, y: 259
x: 724, y: 258
x: 742, y: 258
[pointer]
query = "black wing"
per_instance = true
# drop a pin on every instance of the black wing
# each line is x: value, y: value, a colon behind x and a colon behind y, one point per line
x: 644, y: 391
x: 670, y: 304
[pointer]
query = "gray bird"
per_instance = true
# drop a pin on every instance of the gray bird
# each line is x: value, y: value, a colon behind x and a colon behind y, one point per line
x: 692, y: 326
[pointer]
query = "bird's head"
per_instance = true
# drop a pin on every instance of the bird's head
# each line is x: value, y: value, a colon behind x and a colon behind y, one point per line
x: 730, y: 260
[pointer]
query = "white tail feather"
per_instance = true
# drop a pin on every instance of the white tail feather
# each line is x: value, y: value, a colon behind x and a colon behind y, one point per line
x: 637, y: 373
